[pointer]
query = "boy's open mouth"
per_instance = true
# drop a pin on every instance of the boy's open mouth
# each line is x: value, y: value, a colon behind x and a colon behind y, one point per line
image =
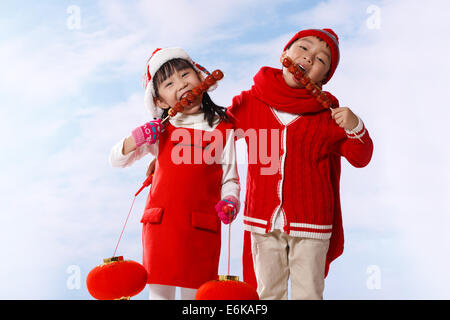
x: 301, y: 67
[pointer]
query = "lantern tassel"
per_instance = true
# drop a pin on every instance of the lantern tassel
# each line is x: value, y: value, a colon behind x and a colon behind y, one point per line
x: 146, y: 183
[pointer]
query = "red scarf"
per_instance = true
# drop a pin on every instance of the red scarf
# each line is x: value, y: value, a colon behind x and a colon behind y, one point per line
x: 271, y: 89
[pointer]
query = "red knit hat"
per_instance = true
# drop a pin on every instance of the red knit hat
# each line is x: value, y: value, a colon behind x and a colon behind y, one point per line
x: 329, y: 37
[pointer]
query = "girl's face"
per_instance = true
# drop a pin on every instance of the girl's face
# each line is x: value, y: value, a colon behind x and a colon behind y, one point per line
x: 312, y: 55
x: 176, y: 86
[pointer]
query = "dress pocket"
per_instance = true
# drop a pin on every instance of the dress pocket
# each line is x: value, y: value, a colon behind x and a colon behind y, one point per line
x: 205, y: 221
x: 152, y: 215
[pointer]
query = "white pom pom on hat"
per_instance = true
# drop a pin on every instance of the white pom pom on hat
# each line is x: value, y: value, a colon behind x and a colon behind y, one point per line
x: 156, y: 61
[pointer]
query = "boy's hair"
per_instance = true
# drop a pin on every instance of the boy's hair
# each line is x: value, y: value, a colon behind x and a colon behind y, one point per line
x: 209, y: 108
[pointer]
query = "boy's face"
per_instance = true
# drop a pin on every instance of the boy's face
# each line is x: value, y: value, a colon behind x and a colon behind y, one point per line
x: 313, y: 55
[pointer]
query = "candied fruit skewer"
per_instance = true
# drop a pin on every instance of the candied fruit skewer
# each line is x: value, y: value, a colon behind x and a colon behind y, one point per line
x: 191, y: 96
x: 312, y: 88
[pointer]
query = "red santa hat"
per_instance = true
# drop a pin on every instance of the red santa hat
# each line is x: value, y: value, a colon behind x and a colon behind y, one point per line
x: 327, y: 35
x: 156, y: 61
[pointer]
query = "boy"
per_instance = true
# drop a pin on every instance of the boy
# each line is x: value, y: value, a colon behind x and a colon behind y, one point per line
x: 292, y: 217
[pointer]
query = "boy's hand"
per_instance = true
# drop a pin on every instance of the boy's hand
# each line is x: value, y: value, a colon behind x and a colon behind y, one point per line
x: 344, y: 118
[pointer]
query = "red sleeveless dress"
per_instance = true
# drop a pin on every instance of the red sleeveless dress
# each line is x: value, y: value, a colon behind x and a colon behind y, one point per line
x: 181, y: 230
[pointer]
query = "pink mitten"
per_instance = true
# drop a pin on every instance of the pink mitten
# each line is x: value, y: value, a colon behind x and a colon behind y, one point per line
x: 227, y: 209
x: 148, y: 133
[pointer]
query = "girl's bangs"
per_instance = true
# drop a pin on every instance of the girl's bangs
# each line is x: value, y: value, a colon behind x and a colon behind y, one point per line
x: 168, y: 69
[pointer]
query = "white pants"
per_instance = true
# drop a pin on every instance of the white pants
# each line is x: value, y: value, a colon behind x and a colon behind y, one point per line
x: 163, y: 292
x: 278, y: 256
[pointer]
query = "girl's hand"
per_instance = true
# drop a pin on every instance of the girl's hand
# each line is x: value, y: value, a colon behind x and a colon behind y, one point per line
x: 227, y: 209
x: 151, y: 167
x: 148, y: 133
x: 344, y: 118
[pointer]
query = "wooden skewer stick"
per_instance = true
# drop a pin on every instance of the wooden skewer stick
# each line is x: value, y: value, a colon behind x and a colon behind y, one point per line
x: 312, y: 88
x: 165, y: 119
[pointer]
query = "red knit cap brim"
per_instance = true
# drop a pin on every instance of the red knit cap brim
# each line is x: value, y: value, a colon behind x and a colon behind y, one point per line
x: 327, y: 35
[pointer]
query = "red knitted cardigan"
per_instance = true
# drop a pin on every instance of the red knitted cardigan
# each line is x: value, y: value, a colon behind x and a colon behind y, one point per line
x: 321, y: 143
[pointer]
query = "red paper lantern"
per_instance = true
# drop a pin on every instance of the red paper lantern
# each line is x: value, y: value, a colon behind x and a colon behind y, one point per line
x: 226, y: 288
x: 116, y: 279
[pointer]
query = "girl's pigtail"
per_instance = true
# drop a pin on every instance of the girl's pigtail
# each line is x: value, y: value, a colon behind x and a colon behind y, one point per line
x: 211, y: 109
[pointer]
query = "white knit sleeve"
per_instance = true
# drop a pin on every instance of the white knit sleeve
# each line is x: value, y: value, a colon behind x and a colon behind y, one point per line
x: 117, y: 159
x: 358, y: 131
x: 230, y: 176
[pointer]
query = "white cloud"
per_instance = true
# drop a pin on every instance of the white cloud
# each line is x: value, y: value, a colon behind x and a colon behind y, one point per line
x: 344, y: 15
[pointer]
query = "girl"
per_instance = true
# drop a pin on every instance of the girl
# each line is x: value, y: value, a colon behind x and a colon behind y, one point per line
x: 181, y: 227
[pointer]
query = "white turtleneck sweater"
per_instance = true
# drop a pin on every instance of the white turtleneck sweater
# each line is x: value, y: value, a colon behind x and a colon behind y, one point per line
x: 230, y: 177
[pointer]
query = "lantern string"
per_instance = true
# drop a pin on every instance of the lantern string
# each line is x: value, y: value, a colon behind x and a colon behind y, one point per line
x: 124, y: 227
x: 229, y: 232
x: 229, y: 237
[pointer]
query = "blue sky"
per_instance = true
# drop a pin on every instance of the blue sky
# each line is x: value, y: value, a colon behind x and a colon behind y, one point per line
x: 70, y: 93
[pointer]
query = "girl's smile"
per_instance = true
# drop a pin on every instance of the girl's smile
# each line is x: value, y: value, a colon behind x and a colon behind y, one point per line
x: 175, y: 87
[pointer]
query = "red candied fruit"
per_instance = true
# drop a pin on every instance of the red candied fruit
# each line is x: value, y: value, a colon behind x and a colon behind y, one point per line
x: 190, y: 97
x: 172, y: 112
x: 197, y: 91
x: 298, y: 74
x: 204, y: 86
x: 310, y: 86
x: 287, y: 62
x: 315, y: 92
x: 217, y: 74
x: 184, y: 102
x: 177, y: 107
x: 210, y: 80
x: 304, y: 80
x: 292, y: 68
